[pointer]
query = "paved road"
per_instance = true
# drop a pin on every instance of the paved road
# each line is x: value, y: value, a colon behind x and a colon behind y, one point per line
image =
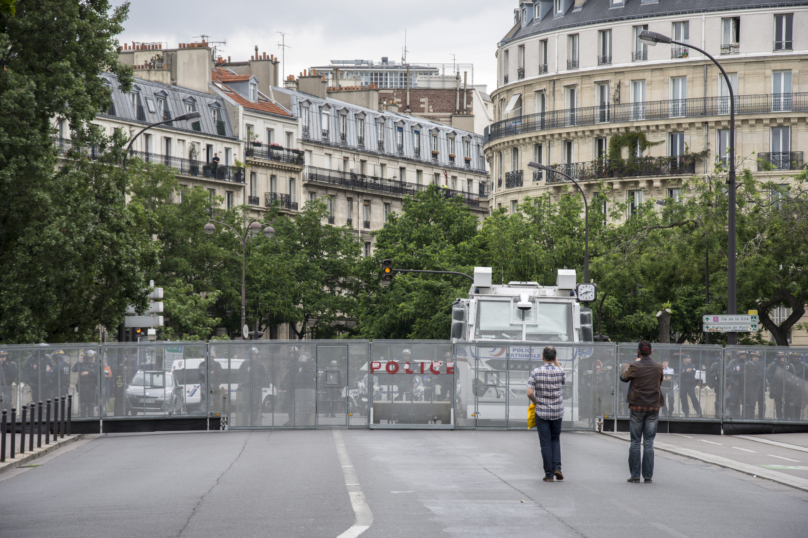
x: 416, y: 483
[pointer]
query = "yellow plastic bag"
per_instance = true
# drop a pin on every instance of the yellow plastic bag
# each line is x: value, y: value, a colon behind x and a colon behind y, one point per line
x: 531, y: 416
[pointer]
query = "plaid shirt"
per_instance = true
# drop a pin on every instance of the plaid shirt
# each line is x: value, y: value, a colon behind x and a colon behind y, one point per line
x: 642, y: 409
x: 546, y: 383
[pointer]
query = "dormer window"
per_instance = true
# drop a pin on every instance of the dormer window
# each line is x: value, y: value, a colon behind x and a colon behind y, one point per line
x: 190, y: 106
x: 380, y: 134
x: 451, y: 145
x: 559, y: 7
x: 324, y: 120
x: 215, y: 115
x: 253, y: 92
x: 619, y: 3
x: 150, y: 105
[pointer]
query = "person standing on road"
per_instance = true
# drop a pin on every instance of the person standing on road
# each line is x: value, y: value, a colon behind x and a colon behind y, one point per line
x: 644, y: 401
x: 544, y: 390
x: 753, y: 388
x: 667, y: 387
x: 687, y: 386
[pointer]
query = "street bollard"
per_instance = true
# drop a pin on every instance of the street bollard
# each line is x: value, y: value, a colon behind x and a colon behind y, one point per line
x: 55, y: 418
x: 69, y: 412
x: 22, y: 429
x: 31, y: 422
x: 47, y: 421
x: 3, y: 439
x: 39, y: 427
x: 63, y: 419
x: 13, y: 430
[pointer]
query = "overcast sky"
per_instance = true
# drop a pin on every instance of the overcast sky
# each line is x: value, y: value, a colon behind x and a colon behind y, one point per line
x: 320, y: 31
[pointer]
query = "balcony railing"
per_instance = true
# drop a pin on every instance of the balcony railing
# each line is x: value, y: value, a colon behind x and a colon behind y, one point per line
x: 639, y: 55
x: 520, y: 73
x: 605, y: 60
x: 253, y: 200
x: 331, y: 219
x: 306, y: 132
x: 651, y: 110
x: 505, y: 79
x: 416, y: 152
x: 400, y: 148
x: 343, y: 138
x: 782, y: 45
x: 538, y: 175
x: 325, y: 134
x: 543, y: 69
x: 380, y: 145
x: 572, y: 64
x: 367, y: 224
x: 679, y: 52
x: 284, y: 200
x: 513, y: 179
x: 360, y: 141
x: 620, y: 168
x: 352, y: 180
x: 786, y: 160
x: 349, y: 222
x: 730, y: 48
x: 275, y: 153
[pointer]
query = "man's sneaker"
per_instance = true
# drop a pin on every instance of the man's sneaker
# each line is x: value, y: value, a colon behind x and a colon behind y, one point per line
x: 633, y: 480
x: 558, y: 475
x: 548, y: 479
x: 647, y: 480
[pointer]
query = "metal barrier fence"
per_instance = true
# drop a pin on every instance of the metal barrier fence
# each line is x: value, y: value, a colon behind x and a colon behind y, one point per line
x: 394, y: 384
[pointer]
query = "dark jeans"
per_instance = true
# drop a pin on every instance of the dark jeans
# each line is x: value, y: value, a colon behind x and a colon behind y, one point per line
x: 643, y: 427
x: 550, y: 440
x: 684, y: 392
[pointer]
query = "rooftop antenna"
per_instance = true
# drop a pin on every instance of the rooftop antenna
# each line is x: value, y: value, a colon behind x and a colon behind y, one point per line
x: 283, y: 46
x: 404, y: 57
x: 454, y: 62
x: 214, y: 49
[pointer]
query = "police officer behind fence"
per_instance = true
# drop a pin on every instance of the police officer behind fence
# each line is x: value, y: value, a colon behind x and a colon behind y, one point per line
x: 687, y: 386
x: 210, y: 380
x: 35, y: 372
x: 252, y: 379
x: 735, y: 370
x: 775, y: 376
x: 60, y: 379
x: 87, y: 383
x: 795, y: 387
x: 667, y: 387
x: 714, y: 382
x: 8, y: 376
x: 753, y: 388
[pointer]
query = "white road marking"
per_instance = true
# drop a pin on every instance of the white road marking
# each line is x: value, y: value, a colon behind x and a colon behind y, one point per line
x: 364, y: 517
x: 744, y: 449
x: 402, y: 492
x: 782, y: 458
x: 668, y: 530
x: 712, y: 443
x: 683, y: 435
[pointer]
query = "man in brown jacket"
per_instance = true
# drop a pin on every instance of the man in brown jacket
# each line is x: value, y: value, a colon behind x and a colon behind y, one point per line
x: 644, y: 401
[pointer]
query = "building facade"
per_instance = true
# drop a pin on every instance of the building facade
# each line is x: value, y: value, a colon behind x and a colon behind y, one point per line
x: 573, y: 74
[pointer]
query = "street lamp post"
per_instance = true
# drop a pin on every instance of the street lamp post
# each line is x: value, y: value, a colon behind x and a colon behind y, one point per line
x: 252, y: 228
x: 540, y: 166
x: 188, y: 116
x: 652, y: 38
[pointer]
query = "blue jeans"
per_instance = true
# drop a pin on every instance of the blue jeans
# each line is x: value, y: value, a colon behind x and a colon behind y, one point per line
x: 643, y: 427
x: 550, y: 441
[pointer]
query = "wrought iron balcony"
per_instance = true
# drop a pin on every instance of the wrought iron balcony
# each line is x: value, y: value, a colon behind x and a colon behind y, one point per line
x: 639, y: 55
x: 783, y: 45
x: 194, y: 168
x: 543, y: 69
x: 730, y: 48
x: 520, y: 73
x: 451, y: 159
x: 367, y: 225
x: 325, y: 134
x: 275, y: 153
x: 513, y: 179
x: 621, y: 168
x: 650, y: 111
x: 400, y: 148
x: 284, y: 201
x: 572, y: 64
x: 343, y: 138
x: 538, y: 175
x: 306, y: 132
x: 679, y: 52
x: 253, y: 200
x: 349, y: 222
x: 360, y: 141
x: 605, y: 60
x: 788, y: 160
x: 417, y: 152
x: 505, y: 79
x: 331, y: 219
x: 380, y: 145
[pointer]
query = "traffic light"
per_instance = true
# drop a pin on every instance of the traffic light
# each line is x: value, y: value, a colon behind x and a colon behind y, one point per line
x: 387, y: 272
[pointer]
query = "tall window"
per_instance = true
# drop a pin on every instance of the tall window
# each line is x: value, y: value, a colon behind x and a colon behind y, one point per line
x: 380, y: 133
x: 499, y: 165
x: 521, y: 61
x: 366, y: 216
x: 514, y: 206
x: 253, y: 92
x: 367, y: 246
x: 273, y: 183
x: 538, y: 152
x: 723, y: 92
x: 605, y: 47
x: 228, y: 199
x: 343, y: 127
x: 601, y: 152
x: 568, y: 151
x: 640, y: 48
x: 783, y: 31
x: 637, y: 99
x: 292, y: 191
x: 781, y: 91
x: 402, y: 173
x: 505, y: 66
x: 730, y: 35
x: 602, y: 95
x: 386, y: 211
x: 723, y: 147
x: 416, y: 142
x: 434, y: 141
x: 559, y: 7
x: 781, y: 148
x: 290, y: 140
x: 253, y: 185
x: 451, y: 145
x: 570, y: 100
x: 681, y: 33
x: 382, y: 170
x: 436, y: 178
x: 634, y: 201
x: 419, y: 177
x: 675, y: 194
x: 466, y: 148
x: 678, y: 97
x: 514, y: 159
x: 400, y: 138
x: 324, y: 120
x: 349, y: 210
x: 542, y: 54
x: 572, y: 51
x: 676, y: 144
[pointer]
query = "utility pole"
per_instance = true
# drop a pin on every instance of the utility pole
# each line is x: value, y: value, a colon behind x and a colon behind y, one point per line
x: 283, y: 46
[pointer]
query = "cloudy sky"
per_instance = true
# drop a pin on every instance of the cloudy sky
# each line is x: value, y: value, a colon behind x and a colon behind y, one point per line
x: 320, y: 31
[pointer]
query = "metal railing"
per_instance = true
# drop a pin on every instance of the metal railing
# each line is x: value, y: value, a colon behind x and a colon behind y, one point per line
x: 331, y: 219
x: 520, y: 73
x: 783, y: 45
x: 284, y: 200
x: 253, y: 200
x: 275, y: 153
x: 505, y: 79
x: 639, y: 55
x: 605, y: 60
x: 679, y: 52
x: 543, y: 69
x: 619, y: 168
x: 513, y: 179
x: 788, y: 160
x: 352, y: 180
x: 730, y: 48
x: 367, y: 224
x: 650, y: 110
x: 572, y: 64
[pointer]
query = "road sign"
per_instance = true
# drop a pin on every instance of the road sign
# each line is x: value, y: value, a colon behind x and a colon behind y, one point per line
x: 731, y: 320
x: 144, y: 321
x: 738, y: 328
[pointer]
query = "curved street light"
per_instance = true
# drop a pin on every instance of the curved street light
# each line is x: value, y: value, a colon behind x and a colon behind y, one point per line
x: 540, y: 166
x: 652, y: 38
x: 252, y: 229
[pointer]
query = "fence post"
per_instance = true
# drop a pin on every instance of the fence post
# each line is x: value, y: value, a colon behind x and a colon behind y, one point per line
x: 62, y: 419
x: 3, y: 438
x: 13, y: 430
x: 39, y: 427
x: 22, y: 429
x: 69, y: 412
x: 47, y: 421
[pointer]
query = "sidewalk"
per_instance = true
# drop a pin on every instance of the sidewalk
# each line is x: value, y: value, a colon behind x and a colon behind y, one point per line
x: 21, y: 460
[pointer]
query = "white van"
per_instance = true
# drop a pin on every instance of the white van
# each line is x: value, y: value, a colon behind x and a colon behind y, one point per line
x: 186, y: 373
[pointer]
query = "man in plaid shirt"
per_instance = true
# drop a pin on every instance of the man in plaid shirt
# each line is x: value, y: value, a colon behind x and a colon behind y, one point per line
x: 544, y: 390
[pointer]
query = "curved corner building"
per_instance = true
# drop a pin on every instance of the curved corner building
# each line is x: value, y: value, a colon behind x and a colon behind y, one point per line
x: 573, y: 75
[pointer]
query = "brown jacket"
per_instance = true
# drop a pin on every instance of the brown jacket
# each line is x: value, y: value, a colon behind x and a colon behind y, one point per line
x: 646, y: 378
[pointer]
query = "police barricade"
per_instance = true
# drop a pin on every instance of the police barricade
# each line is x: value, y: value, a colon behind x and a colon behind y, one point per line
x: 691, y: 382
x: 150, y: 380
x: 491, y: 383
x: 766, y: 384
x: 412, y: 384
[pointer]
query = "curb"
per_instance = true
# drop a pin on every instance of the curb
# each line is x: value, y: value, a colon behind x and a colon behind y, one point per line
x: 726, y: 463
x: 773, y: 443
x: 10, y: 464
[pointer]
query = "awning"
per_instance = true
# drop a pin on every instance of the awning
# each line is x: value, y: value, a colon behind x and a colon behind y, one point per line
x: 512, y: 103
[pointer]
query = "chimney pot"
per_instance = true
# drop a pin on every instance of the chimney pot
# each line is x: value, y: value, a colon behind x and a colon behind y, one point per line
x: 228, y: 59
